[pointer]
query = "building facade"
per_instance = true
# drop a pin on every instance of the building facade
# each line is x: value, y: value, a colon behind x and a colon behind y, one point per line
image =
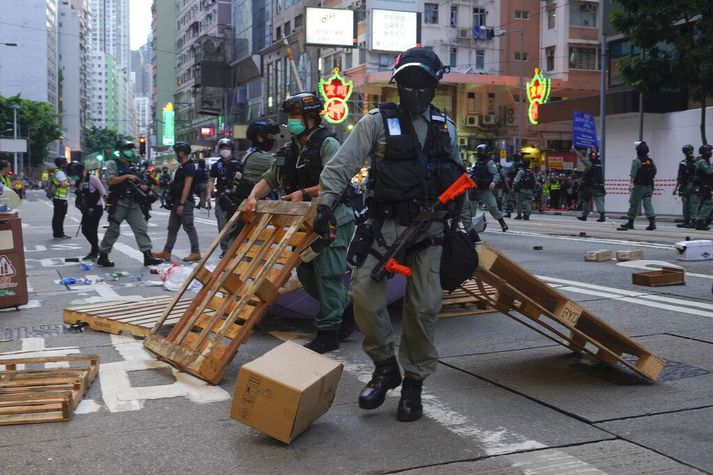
x: 163, y: 66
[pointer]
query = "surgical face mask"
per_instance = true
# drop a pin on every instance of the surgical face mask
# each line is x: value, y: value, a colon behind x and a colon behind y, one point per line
x: 415, y: 100
x: 128, y: 154
x: 225, y: 153
x: 296, y: 126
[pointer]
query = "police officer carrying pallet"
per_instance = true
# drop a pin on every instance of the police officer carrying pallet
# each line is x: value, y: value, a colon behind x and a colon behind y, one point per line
x: 641, y: 187
x: 703, y: 183
x: 296, y: 172
x: 684, y: 186
x: 524, y: 186
x: 592, y: 185
x: 486, y: 177
x: 413, y: 150
x: 125, y: 199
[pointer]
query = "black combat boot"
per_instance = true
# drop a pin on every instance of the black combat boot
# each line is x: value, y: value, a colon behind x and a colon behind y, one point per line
x: 602, y: 218
x: 652, y: 224
x: 410, y: 408
x: 151, y: 260
x: 701, y: 225
x: 582, y: 218
x: 104, y: 261
x: 324, y: 341
x: 348, y: 325
x: 507, y: 214
x: 526, y: 217
x: 503, y: 224
x: 685, y: 224
x: 629, y: 224
x: 387, y: 375
x: 519, y: 216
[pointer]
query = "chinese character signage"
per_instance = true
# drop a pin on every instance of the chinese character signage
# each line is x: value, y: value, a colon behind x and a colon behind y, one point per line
x: 168, y: 125
x: 335, y: 91
x: 394, y: 30
x: 538, y: 92
x: 330, y: 27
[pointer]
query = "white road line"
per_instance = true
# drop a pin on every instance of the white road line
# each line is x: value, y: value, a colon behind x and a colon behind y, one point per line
x: 129, y: 251
x: 616, y: 242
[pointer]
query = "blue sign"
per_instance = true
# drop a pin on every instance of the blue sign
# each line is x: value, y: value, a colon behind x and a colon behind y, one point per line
x: 584, y: 131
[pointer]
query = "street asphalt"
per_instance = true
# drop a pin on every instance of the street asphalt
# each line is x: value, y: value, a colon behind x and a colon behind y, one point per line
x: 504, y: 399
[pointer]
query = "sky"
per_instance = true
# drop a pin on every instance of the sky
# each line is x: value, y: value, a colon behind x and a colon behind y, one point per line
x: 139, y: 22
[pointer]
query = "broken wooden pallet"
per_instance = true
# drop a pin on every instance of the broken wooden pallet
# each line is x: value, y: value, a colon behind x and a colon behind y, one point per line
x: 468, y: 299
x: 561, y: 319
x: 237, y: 293
x: 44, y: 394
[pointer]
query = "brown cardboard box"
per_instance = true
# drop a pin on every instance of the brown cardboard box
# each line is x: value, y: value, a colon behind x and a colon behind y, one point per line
x: 285, y: 390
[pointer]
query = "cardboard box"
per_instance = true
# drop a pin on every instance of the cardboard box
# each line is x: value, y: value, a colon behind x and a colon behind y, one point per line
x: 285, y: 390
x: 697, y: 250
x: 598, y: 256
x: 629, y: 255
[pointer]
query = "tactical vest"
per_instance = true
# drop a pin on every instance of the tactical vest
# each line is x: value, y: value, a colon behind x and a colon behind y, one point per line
x: 701, y: 178
x: 594, y: 176
x: 482, y: 176
x: 402, y: 170
x: 62, y: 191
x: 528, y: 180
x: 686, y: 171
x: 226, y: 173
x: 299, y: 170
x: 645, y: 174
x: 124, y: 189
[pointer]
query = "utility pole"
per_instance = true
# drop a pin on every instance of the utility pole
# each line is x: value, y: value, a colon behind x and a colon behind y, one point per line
x: 520, y: 89
x: 14, y: 107
x: 603, y: 85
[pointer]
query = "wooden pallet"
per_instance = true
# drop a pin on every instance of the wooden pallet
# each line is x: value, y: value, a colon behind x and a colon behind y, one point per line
x: 40, y: 394
x: 237, y: 293
x: 552, y: 314
x: 468, y: 299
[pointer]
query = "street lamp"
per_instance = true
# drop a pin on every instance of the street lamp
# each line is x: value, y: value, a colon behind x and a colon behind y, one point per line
x: 14, y: 108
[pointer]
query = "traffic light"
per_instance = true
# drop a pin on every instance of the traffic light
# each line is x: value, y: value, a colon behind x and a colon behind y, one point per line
x: 142, y: 146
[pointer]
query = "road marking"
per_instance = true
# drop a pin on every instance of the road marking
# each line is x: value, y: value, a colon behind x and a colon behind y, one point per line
x: 129, y: 251
x: 551, y: 461
x: 35, y: 348
x: 30, y: 304
x: 616, y: 242
x: 656, y: 265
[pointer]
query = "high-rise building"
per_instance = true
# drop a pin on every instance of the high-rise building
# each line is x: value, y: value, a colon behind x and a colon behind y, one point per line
x: 163, y: 65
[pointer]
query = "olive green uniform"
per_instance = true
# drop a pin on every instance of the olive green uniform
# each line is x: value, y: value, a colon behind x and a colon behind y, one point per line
x: 686, y: 190
x: 638, y: 194
x: 323, y: 277
x: 422, y: 302
x: 125, y: 209
x: 523, y: 203
x: 487, y: 197
x: 701, y: 202
x: 596, y: 192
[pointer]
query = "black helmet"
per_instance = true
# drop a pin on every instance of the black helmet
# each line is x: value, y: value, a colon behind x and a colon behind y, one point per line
x: 226, y: 142
x: 705, y: 149
x: 122, y: 144
x: 60, y: 162
x: 419, y: 59
x: 182, y: 146
x: 263, y: 127
x: 516, y: 157
x: 164, y: 169
x: 525, y: 163
x: 482, y: 150
x: 642, y: 149
x: 688, y: 148
x: 302, y: 103
x: 75, y: 169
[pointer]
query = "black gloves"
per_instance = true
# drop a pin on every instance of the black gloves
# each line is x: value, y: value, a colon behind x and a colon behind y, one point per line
x: 325, y: 222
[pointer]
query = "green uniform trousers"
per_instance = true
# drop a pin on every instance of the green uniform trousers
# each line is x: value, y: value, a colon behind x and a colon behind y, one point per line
x: 133, y: 215
x: 524, y: 202
x: 597, y: 196
x: 323, y: 279
x: 422, y: 302
x: 687, y: 197
x: 487, y: 198
x: 701, y: 206
x: 640, y: 193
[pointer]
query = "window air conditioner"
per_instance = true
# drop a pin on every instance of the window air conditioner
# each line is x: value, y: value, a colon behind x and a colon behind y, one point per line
x: 488, y: 119
x: 587, y: 7
x: 464, y: 33
x: 462, y: 141
x: 472, y: 120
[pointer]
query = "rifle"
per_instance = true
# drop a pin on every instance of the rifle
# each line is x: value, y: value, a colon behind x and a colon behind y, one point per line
x: 388, y: 262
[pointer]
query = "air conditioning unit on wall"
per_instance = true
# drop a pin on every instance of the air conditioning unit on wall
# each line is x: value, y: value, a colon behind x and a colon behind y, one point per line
x: 487, y: 119
x: 462, y: 141
x: 472, y: 120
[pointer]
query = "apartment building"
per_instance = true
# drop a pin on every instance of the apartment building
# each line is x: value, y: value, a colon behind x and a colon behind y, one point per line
x: 163, y: 65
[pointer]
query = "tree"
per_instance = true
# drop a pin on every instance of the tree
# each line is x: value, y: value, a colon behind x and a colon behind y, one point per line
x: 673, y: 40
x: 99, y: 139
x: 35, y: 121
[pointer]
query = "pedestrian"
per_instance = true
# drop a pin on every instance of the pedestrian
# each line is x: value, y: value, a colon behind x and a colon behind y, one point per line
x: 555, y: 189
x: 524, y: 185
x: 125, y: 201
x: 486, y: 177
x: 592, y: 185
x: 182, y: 205
x: 703, y: 183
x: 90, y: 196
x: 641, y: 186
x: 296, y: 174
x: 5, y: 172
x: 393, y: 137
x: 685, y: 187
x: 201, y: 185
x: 164, y: 184
x: 60, y: 189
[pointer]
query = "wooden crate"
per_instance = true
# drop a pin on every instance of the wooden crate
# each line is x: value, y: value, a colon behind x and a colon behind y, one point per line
x: 552, y: 314
x: 629, y: 255
x: 468, y: 299
x: 599, y: 256
x: 33, y: 395
x: 237, y: 293
x: 657, y: 278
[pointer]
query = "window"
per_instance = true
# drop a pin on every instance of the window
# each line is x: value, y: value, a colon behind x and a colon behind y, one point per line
x: 278, y: 33
x: 582, y: 58
x: 583, y: 14
x: 521, y: 15
x: 479, y: 59
x: 287, y: 28
x: 347, y: 59
x: 453, y: 57
x: 430, y: 15
x: 520, y: 56
x: 454, y: 15
x: 298, y: 21
x: 479, y: 16
x: 550, y: 54
x: 385, y: 60
x: 551, y: 17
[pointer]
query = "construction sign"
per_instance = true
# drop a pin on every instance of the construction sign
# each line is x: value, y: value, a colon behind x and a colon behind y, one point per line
x: 7, y: 272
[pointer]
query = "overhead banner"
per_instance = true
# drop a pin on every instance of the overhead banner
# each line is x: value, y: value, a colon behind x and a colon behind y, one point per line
x: 393, y: 30
x: 584, y: 131
x: 330, y: 27
x: 169, y: 132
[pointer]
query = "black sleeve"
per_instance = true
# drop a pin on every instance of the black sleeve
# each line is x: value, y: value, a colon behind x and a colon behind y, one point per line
x: 189, y: 170
x: 214, y: 172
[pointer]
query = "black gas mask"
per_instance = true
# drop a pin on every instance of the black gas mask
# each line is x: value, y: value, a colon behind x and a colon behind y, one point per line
x: 416, y: 89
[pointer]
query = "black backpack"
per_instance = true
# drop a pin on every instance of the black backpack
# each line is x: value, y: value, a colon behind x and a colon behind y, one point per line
x: 528, y: 181
x: 84, y: 199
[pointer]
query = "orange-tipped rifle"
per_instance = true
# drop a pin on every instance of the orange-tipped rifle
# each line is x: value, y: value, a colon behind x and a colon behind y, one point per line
x: 412, y: 234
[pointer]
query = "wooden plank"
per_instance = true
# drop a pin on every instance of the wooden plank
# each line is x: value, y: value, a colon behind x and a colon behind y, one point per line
x: 658, y: 278
x: 468, y: 299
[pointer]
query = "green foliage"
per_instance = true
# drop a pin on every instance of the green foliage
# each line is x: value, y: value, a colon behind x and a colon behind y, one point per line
x: 99, y: 139
x: 35, y: 120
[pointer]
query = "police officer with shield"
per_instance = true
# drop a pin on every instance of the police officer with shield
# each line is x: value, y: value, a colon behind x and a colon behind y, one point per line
x: 684, y: 186
x: 296, y: 173
x: 592, y: 185
x: 413, y: 152
x: 486, y: 177
x: 641, y: 187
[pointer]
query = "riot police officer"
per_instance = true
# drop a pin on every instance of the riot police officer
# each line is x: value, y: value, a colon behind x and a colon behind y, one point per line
x: 684, y: 186
x: 592, y: 185
x: 125, y: 200
x: 524, y: 186
x: 296, y: 173
x: 703, y: 183
x: 641, y: 186
x: 510, y: 193
x: 486, y: 177
x: 406, y: 173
